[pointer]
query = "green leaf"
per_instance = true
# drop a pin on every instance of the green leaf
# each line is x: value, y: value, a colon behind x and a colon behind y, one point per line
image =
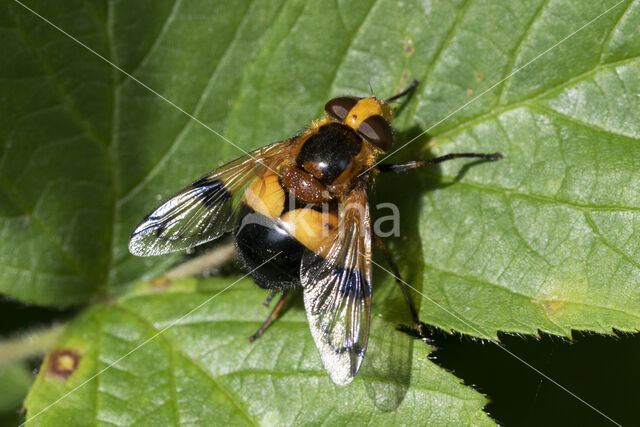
x: 15, y: 380
x: 204, y: 371
x: 544, y: 240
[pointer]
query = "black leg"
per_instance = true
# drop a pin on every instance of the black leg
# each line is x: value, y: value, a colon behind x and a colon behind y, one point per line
x: 402, y: 167
x: 403, y: 287
x: 414, y: 84
x: 269, y: 298
x: 271, y: 316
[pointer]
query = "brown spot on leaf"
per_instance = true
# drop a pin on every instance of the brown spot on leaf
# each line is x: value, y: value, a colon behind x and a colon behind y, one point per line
x: 403, y: 81
x: 551, y: 304
x: 408, y: 47
x: 61, y: 363
x: 478, y: 76
x: 160, y: 284
x: 469, y: 92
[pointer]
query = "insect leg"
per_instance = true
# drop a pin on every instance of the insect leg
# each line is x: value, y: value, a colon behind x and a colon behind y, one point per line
x: 402, y: 167
x: 403, y: 287
x: 270, y: 318
x: 414, y: 84
x: 269, y: 298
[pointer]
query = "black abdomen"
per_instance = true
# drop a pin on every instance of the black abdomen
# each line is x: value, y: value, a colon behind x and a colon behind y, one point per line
x: 259, y: 239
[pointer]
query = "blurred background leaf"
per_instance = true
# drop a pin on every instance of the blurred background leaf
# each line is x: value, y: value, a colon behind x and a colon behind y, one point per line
x: 15, y: 380
x: 541, y: 241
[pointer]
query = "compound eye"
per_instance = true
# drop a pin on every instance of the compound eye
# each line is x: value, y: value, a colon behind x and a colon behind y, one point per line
x: 377, y: 130
x: 340, y: 107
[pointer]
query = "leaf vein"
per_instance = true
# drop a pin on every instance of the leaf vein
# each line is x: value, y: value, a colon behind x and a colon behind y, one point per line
x: 570, y: 119
x: 227, y: 393
x: 518, y: 47
x: 596, y: 230
x: 188, y: 122
x: 62, y: 92
x: 539, y: 198
x: 492, y: 113
x: 152, y: 47
x: 607, y: 39
x: 344, y: 55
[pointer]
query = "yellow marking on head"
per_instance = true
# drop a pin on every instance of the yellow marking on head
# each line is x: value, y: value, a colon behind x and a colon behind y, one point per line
x: 309, y: 226
x: 265, y: 196
x: 366, y: 108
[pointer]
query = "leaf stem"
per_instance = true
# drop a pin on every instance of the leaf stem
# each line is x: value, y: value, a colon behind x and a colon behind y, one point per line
x: 31, y: 343
x: 202, y: 263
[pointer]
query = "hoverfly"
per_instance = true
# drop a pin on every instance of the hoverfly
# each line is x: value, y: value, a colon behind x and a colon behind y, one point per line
x: 299, y: 213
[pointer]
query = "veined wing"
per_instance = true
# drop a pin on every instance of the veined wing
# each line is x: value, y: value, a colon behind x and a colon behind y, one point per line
x: 203, y: 210
x: 337, y: 291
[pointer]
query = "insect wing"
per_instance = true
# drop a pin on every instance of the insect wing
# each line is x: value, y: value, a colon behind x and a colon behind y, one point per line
x: 203, y: 210
x: 337, y: 291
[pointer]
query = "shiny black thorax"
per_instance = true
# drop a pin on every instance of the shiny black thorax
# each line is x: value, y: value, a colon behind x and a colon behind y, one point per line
x: 326, y: 154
